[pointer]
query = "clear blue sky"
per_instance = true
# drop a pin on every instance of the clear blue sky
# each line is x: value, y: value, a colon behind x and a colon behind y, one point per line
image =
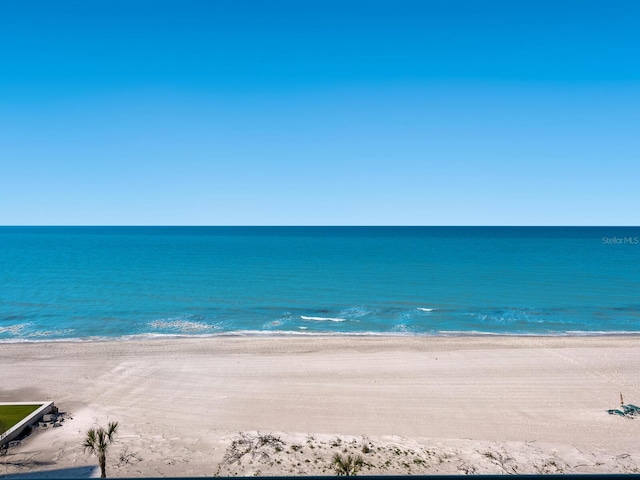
x: 319, y: 112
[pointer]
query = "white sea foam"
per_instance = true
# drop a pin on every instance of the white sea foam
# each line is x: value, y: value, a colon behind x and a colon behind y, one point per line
x: 181, y: 325
x: 403, y: 328
x: 323, y: 319
x: 424, y: 309
x: 14, y: 329
x: 274, y: 323
x: 303, y: 333
x: 567, y: 333
x: 599, y: 333
x: 474, y: 333
x: 407, y: 315
x: 355, y: 312
x: 52, y: 333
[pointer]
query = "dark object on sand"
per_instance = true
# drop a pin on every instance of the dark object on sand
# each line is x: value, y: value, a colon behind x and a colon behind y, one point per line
x: 628, y: 411
x: 615, y: 411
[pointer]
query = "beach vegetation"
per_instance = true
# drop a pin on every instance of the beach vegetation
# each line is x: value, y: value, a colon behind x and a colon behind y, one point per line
x: 348, y: 465
x: 97, y: 442
x: 504, y: 461
x: 259, y: 446
x: 128, y: 457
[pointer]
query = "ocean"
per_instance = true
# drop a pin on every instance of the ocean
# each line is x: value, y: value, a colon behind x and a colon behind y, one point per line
x: 95, y: 283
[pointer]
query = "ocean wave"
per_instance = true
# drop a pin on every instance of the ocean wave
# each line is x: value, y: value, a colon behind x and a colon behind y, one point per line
x: 355, y: 312
x: 425, y: 309
x: 512, y: 316
x: 274, y: 323
x: 594, y: 333
x: 566, y: 333
x: 323, y: 319
x: 480, y: 333
x: 14, y: 329
x: 183, y: 325
x: 404, y: 315
x: 25, y: 330
x: 304, y: 333
x: 403, y: 328
x: 231, y: 334
x: 52, y: 333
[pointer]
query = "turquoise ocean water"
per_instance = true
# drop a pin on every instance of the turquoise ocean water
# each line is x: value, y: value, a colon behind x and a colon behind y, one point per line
x: 87, y: 283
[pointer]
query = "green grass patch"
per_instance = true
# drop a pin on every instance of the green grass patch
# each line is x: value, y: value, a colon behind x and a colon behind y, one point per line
x: 12, y: 414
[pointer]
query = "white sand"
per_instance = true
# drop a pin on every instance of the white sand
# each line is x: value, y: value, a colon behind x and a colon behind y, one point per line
x: 455, y: 405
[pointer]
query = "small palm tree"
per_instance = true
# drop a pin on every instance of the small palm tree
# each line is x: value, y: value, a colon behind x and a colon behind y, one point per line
x: 347, y: 466
x: 97, y: 443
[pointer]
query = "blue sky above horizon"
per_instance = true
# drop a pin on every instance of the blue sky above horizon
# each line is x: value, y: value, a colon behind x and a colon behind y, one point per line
x: 319, y: 112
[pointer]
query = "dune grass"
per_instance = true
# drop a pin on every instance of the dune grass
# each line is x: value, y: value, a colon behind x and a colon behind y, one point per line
x: 12, y: 414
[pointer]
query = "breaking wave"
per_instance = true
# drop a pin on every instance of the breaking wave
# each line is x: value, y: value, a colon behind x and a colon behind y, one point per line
x: 323, y: 319
x: 182, y: 325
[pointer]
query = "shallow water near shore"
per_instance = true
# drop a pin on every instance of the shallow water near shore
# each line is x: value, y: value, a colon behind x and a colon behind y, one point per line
x: 87, y: 283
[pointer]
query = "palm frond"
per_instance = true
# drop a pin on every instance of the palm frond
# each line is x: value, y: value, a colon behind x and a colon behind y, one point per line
x: 90, y: 441
x: 112, y: 429
x: 347, y: 466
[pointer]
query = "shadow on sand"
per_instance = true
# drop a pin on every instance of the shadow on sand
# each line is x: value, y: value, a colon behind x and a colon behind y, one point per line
x: 75, y: 472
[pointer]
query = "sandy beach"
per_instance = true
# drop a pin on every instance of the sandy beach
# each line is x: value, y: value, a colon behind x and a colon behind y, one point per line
x: 405, y: 404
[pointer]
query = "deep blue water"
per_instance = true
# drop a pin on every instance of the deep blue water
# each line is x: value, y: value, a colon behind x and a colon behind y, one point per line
x: 97, y: 282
